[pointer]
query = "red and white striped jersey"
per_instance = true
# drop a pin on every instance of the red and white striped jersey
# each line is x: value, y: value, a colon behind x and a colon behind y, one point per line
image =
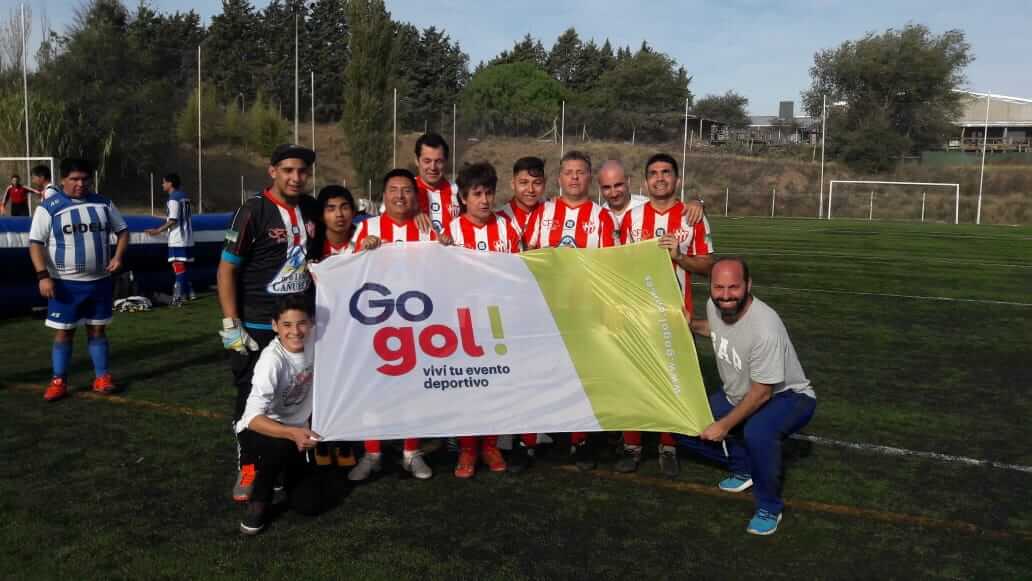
x: 646, y: 223
x: 442, y: 204
x: 391, y: 232
x: 555, y: 223
x: 330, y: 249
x: 517, y: 215
x: 499, y: 235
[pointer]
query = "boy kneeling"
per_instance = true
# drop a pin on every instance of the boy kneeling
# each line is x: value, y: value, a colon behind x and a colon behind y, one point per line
x: 274, y: 425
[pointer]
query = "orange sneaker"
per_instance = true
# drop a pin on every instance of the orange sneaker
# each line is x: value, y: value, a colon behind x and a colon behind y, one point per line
x: 245, y: 483
x: 492, y: 456
x: 56, y: 390
x: 345, y: 456
x: 467, y: 465
x: 104, y: 384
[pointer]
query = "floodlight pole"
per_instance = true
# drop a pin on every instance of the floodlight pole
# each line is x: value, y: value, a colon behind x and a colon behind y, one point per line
x: 200, y: 173
x: 313, y: 124
x: 684, y: 147
x: 152, y: 193
x: 25, y: 90
x: 562, y: 143
x: 824, y: 128
x: 394, y: 140
x: 454, y: 136
x: 981, y: 172
x: 297, y: 92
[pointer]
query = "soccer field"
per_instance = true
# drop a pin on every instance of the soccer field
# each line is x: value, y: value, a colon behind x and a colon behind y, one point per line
x: 917, y: 338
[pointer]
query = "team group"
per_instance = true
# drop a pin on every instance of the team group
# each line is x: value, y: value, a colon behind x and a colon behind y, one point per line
x: 263, y: 289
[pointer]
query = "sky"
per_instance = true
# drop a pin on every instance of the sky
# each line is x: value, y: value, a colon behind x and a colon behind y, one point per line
x: 761, y: 49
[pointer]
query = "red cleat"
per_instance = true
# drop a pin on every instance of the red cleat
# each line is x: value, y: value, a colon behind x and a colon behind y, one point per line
x: 493, y: 458
x: 467, y: 465
x: 56, y: 390
x: 104, y: 384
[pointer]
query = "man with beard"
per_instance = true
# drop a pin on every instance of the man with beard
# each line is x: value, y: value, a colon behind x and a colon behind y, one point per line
x: 765, y: 395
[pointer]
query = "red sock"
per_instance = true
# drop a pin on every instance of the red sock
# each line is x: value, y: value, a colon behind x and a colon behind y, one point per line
x: 577, y: 438
x: 372, y: 446
x: 489, y: 441
x: 667, y: 439
x: 529, y: 440
x: 632, y: 438
x: 411, y: 444
x: 468, y: 443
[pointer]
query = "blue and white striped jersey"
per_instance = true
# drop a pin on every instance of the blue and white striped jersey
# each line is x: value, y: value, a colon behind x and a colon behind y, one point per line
x: 77, y: 233
x: 181, y: 235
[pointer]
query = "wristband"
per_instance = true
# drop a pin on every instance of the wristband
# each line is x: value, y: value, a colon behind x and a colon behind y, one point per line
x: 42, y: 274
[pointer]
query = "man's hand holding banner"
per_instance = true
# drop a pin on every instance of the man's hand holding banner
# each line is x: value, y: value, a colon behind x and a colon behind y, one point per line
x: 428, y: 341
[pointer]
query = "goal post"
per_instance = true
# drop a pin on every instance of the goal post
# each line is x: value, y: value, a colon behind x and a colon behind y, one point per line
x: 954, y: 187
x: 28, y: 162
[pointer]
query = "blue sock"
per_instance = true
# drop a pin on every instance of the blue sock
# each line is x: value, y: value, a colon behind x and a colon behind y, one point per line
x: 98, y: 347
x: 61, y: 356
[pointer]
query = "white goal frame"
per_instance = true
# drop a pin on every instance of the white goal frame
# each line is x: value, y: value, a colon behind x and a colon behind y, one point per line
x: 28, y: 162
x: 956, y: 188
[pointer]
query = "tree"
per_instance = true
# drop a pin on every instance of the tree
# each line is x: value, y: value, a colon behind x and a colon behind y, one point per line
x: 526, y: 50
x: 564, y: 58
x: 367, y: 119
x: 515, y: 99
x: 328, y: 43
x: 898, y: 88
x: 432, y: 71
x: 728, y: 108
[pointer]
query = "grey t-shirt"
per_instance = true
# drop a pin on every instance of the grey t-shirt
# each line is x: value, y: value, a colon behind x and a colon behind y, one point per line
x: 755, y: 348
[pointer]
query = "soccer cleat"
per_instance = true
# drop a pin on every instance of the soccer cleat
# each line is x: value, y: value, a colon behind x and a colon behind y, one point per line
x: 735, y: 483
x: 493, y: 458
x: 416, y: 466
x: 369, y: 464
x: 584, y: 456
x: 254, y: 518
x: 177, y: 301
x: 763, y: 523
x: 323, y: 457
x: 104, y: 385
x: 629, y: 460
x: 668, y: 463
x: 467, y: 464
x: 519, y: 458
x: 245, y: 483
x: 56, y: 390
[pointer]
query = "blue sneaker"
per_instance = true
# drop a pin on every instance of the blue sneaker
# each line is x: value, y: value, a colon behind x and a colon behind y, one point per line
x: 763, y: 523
x: 735, y: 483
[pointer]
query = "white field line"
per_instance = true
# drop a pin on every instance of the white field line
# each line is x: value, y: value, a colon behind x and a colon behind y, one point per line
x: 973, y: 261
x: 887, y: 295
x: 892, y: 451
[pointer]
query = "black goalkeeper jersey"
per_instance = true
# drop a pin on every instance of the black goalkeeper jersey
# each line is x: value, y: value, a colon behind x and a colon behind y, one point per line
x: 268, y: 242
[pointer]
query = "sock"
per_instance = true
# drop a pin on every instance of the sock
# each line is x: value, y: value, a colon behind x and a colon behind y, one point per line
x: 632, y: 438
x: 468, y: 443
x: 667, y: 439
x: 411, y: 446
x: 61, y: 356
x: 180, y: 288
x: 98, y: 348
x: 529, y: 440
x: 490, y: 441
x: 372, y: 446
x: 578, y: 438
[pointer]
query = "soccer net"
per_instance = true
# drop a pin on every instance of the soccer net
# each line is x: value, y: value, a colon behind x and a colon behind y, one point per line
x: 22, y: 167
x: 924, y: 201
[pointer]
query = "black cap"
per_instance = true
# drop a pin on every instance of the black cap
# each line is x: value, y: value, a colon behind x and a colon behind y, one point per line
x: 292, y: 151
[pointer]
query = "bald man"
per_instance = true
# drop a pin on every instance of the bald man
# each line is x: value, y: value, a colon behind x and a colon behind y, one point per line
x: 765, y: 396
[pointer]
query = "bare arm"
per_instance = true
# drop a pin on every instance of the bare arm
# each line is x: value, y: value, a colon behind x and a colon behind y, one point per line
x: 168, y: 225
x: 696, y: 264
x: 699, y: 326
x: 123, y: 243
x: 38, y: 254
x: 759, y: 394
x: 227, y: 287
x: 302, y: 437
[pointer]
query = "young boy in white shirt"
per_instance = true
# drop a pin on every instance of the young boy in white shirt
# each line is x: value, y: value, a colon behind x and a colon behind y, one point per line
x: 275, y: 424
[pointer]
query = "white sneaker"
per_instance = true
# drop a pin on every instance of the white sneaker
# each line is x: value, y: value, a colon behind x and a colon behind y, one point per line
x: 415, y: 465
x: 369, y: 464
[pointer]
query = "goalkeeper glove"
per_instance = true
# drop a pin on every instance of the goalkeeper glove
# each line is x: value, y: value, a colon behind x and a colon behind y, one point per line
x: 235, y: 337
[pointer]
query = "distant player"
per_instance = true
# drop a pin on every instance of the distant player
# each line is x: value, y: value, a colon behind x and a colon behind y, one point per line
x: 264, y: 257
x: 40, y: 178
x: 437, y: 196
x: 275, y: 422
x: 70, y: 248
x: 17, y: 197
x: 684, y: 232
x: 396, y: 226
x: 479, y: 228
x: 179, y: 226
x: 573, y: 221
x: 764, y: 397
x: 528, y: 191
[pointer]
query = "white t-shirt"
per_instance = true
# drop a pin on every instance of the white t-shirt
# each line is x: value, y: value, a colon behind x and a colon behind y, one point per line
x: 281, y: 389
x: 756, y: 348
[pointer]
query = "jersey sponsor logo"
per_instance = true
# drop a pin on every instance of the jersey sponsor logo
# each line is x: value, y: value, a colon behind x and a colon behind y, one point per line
x: 435, y: 207
x: 84, y: 228
x: 437, y: 225
x: 501, y: 246
x: 590, y: 227
x: 660, y: 232
x: 570, y: 223
x: 292, y: 276
x: 481, y: 245
x: 568, y: 241
x: 278, y: 234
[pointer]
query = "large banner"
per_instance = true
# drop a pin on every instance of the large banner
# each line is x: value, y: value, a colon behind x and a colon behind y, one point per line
x: 428, y: 340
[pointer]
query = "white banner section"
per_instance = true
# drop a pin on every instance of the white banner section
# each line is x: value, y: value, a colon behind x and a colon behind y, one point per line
x: 425, y: 340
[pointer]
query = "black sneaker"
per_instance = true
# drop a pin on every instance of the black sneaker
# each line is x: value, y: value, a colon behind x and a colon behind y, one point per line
x: 630, y: 458
x: 668, y: 463
x: 254, y: 518
x: 519, y: 458
x: 584, y: 456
